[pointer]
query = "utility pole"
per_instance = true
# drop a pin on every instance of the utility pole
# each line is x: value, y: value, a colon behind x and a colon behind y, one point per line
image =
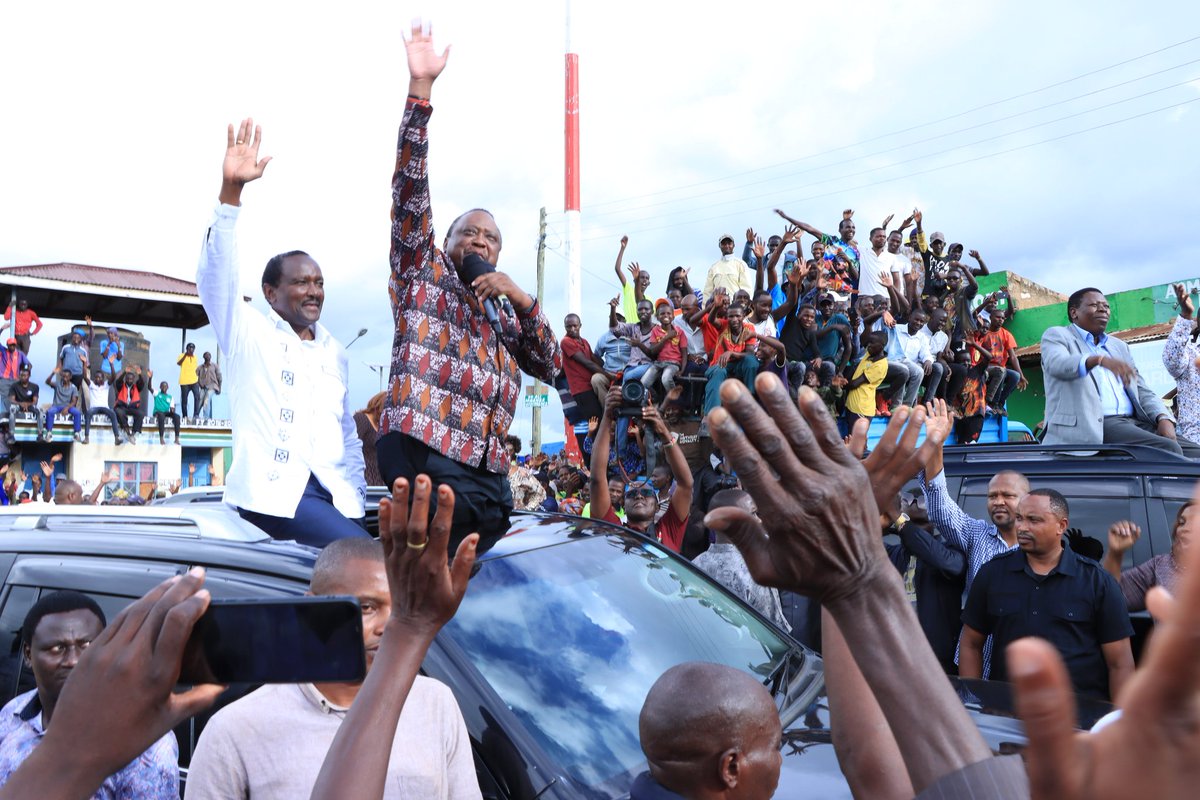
x: 538, y: 386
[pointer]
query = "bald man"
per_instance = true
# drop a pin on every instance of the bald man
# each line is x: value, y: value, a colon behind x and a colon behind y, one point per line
x: 708, y: 731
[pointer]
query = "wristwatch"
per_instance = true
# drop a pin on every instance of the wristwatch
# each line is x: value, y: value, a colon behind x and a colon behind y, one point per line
x: 899, y: 523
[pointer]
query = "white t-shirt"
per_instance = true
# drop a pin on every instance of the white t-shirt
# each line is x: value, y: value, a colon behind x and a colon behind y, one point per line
x: 694, y: 336
x: 768, y: 327
x: 97, y: 396
x: 271, y: 743
x: 871, y: 266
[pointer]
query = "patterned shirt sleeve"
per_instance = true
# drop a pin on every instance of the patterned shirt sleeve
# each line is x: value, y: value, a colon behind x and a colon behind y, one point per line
x: 1174, y: 355
x: 1135, y: 583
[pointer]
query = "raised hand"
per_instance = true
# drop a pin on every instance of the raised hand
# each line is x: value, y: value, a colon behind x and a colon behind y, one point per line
x: 897, y: 458
x: 242, y: 164
x: 593, y: 425
x: 886, y: 220
x: 1122, y: 535
x: 634, y: 269
x: 759, y: 249
x: 973, y: 254
x: 917, y: 215
x: 814, y: 497
x: 424, y: 63
x: 790, y: 234
x: 848, y: 213
x: 426, y: 589
x: 750, y: 235
x: 1185, y: 301
x: 47, y: 470
x: 624, y: 242
x: 885, y: 280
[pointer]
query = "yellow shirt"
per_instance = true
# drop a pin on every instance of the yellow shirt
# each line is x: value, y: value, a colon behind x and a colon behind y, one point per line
x: 187, y: 370
x: 861, y: 399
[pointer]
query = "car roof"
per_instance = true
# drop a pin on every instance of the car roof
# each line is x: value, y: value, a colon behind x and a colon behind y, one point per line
x: 1066, y: 459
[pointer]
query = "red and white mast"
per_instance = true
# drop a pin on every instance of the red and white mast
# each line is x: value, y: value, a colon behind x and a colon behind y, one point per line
x: 571, y: 176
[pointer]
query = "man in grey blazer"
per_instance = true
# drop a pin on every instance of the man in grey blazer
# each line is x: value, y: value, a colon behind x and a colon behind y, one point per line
x: 1094, y: 393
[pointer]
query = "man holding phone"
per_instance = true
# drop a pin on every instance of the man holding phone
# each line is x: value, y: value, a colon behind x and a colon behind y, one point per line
x: 271, y: 743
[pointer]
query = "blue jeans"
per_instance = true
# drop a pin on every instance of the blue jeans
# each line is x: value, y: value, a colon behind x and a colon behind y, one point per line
x: 744, y: 369
x: 317, y: 522
x: 53, y: 411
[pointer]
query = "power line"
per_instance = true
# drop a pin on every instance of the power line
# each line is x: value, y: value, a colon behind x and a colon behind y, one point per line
x: 929, y: 170
x: 893, y: 149
x: 693, y: 209
x: 593, y: 206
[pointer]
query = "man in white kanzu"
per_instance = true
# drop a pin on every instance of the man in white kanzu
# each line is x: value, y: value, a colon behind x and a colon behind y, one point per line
x: 297, y: 468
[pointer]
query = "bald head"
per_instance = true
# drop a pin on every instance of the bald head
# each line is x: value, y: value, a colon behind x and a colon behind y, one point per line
x: 68, y: 493
x: 336, y: 560
x: 710, y: 728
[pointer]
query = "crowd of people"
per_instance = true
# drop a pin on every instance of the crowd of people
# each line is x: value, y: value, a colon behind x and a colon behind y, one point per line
x: 120, y: 393
x: 728, y: 423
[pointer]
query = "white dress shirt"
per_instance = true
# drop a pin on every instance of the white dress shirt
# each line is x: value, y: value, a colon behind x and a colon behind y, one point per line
x: 871, y: 267
x: 288, y: 398
x: 934, y: 342
x: 913, y: 347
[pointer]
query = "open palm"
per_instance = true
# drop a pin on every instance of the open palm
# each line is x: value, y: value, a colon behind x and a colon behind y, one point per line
x: 424, y: 63
x: 242, y: 164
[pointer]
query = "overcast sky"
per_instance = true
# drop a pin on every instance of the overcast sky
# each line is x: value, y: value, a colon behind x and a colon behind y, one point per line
x: 1061, y: 144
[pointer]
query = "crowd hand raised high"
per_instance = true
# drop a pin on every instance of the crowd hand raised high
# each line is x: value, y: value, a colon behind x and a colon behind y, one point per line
x: 1122, y: 535
x: 120, y: 697
x: 1184, y: 300
x: 424, y: 62
x: 896, y: 459
x: 1153, y: 750
x: 814, y: 497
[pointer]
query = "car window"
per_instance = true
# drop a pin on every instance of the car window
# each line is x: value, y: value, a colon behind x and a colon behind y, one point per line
x: 571, y: 637
x: 17, y: 602
x: 1095, y: 503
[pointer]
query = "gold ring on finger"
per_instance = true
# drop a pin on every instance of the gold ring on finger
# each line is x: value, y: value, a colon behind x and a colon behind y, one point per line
x: 418, y: 547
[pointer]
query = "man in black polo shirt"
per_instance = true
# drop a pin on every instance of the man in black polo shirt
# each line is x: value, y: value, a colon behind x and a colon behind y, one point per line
x: 1043, y: 589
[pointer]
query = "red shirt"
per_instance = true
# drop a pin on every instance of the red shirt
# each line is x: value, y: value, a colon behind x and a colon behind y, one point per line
x: 711, y: 333
x: 23, y: 321
x: 726, y: 344
x: 998, y: 343
x: 669, y: 530
x: 672, y: 351
x: 579, y: 377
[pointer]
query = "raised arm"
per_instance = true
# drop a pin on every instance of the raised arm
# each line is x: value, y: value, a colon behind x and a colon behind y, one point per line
x: 412, y: 218
x: 1174, y: 355
x: 982, y: 270
x: 598, y: 464
x: 620, y: 258
x: 681, y: 497
x: 804, y: 226
x: 426, y: 589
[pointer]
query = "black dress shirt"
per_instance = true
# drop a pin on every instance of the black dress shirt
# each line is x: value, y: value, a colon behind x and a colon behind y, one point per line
x: 939, y: 580
x: 1077, y: 607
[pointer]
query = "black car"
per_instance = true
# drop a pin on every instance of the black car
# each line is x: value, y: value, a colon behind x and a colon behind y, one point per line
x: 565, y: 626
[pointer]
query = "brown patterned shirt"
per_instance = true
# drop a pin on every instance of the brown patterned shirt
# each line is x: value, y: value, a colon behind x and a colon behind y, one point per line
x: 454, y: 383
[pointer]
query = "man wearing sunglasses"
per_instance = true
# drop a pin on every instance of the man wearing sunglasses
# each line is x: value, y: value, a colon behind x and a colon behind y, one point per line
x: 641, y: 498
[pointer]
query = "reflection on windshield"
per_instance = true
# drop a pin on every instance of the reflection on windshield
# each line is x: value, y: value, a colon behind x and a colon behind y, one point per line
x: 572, y: 636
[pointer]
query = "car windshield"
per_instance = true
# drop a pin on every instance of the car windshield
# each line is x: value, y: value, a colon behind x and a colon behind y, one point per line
x: 572, y: 636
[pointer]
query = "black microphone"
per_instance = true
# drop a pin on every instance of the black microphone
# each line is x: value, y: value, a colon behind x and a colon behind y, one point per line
x: 473, y: 266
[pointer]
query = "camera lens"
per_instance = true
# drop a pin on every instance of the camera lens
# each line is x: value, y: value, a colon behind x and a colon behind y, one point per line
x: 633, y: 393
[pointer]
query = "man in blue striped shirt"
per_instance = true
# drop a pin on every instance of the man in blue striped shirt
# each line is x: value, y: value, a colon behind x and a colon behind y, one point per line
x: 980, y: 540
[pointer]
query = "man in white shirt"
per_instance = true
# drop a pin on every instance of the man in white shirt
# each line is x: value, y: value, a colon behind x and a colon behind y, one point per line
x: 97, y: 392
x: 874, y: 262
x: 729, y: 272
x: 936, y: 341
x: 298, y: 470
x: 914, y: 354
x: 270, y: 744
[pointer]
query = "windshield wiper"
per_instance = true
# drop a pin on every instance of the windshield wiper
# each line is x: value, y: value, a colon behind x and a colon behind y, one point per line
x: 777, y: 678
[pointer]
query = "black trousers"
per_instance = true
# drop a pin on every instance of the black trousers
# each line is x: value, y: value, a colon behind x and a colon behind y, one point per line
x: 482, y: 499
x: 1127, y: 430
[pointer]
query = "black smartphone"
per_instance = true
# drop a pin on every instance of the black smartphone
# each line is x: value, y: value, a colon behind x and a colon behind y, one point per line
x: 278, y: 640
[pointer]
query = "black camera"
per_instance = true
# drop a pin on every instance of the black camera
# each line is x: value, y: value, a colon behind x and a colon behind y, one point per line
x: 633, y: 397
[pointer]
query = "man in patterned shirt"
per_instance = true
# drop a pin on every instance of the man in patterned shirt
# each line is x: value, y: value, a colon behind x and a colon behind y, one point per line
x: 57, y: 629
x: 454, y: 380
